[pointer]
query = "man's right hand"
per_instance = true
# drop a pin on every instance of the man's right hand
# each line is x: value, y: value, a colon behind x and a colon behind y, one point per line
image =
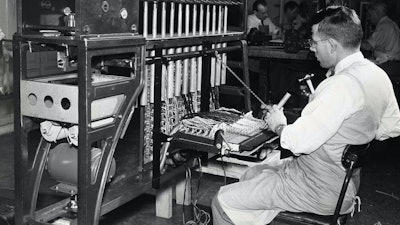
x: 275, y: 118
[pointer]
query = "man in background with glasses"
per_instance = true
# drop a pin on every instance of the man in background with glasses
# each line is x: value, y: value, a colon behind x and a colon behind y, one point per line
x: 353, y: 105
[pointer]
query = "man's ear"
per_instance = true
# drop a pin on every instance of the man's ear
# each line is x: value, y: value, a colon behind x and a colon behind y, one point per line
x: 334, y: 44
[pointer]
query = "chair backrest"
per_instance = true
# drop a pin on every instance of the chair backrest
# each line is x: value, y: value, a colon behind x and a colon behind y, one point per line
x: 352, y: 158
x: 354, y: 154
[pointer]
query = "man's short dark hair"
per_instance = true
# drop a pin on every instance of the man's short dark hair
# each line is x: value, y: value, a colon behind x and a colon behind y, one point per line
x: 257, y: 3
x: 290, y: 5
x: 340, y: 23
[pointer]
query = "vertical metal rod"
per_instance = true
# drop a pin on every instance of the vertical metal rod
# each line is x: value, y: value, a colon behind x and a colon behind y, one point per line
x: 145, y: 18
x: 208, y: 15
x: 170, y: 87
x: 224, y: 56
x: 157, y: 125
x: 153, y: 53
x: 155, y: 10
x: 200, y: 59
x: 164, y: 52
x: 201, y: 20
x: 178, y: 72
x: 163, y: 20
x: 213, y: 30
x: 218, y: 63
x: 185, y: 89
x: 193, y: 74
x: 143, y: 97
x: 205, y: 83
x: 194, y: 20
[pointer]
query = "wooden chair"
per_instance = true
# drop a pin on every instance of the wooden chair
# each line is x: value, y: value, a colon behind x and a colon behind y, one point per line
x: 352, y: 159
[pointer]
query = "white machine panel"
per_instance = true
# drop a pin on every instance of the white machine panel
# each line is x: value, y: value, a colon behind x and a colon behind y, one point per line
x: 59, y: 102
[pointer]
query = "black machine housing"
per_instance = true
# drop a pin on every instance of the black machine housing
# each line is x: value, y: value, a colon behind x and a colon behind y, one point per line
x: 80, y: 17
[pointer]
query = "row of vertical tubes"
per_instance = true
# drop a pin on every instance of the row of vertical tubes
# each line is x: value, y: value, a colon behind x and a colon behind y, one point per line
x: 184, y: 20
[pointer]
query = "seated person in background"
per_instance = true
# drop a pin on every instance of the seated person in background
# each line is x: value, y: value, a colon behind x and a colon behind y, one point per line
x: 289, y: 18
x: 385, y: 40
x: 260, y: 20
x: 354, y: 106
x: 305, y: 12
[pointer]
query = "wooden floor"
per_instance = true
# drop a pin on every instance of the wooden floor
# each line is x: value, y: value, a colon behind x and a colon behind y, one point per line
x: 380, y: 180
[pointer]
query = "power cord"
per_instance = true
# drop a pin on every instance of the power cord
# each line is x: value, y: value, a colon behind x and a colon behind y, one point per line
x: 201, y: 217
x: 223, y: 168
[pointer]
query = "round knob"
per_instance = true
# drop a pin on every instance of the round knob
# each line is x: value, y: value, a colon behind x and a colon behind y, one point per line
x: 124, y: 13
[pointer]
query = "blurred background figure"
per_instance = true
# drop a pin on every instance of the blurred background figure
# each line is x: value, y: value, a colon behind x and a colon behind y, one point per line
x: 260, y: 19
x: 384, y: 42
x: 289, y: 18
x: 306, y: 11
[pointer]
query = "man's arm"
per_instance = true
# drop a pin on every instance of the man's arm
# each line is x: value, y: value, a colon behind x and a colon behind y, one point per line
x: 389, y: 125
x: 335, y: 100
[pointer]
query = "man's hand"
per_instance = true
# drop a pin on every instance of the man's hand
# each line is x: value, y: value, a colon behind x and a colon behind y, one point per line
x: 265, y: 109
x: 275, y: 118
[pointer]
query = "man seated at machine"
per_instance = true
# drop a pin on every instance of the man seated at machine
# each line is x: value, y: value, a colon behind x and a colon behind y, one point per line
x: 384, y: 43
x: 259, y: 22
x: 354, y: 105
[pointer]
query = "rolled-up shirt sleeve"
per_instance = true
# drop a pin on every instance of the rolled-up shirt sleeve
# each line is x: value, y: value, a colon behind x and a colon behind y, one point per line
x: 389, y: 125
x: 334, y: 102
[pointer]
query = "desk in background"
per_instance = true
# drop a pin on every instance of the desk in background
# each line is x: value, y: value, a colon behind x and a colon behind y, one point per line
x: 276, y: 52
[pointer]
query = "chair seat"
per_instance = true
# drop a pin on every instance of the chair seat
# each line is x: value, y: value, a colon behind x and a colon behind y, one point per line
x: 307, y: 218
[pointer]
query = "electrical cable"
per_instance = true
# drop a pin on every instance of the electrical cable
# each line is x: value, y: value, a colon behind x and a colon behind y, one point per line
x: 223, y: 168
x: 201, y: 217
x: 188, y: 177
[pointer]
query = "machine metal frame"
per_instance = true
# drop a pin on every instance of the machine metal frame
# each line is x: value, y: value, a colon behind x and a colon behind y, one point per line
x: 96, y: 197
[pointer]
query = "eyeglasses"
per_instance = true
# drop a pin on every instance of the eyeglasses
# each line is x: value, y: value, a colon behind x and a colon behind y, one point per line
x: 313, y: 43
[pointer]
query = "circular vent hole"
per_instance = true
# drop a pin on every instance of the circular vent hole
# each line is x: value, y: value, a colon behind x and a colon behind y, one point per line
x: 32, y: 99
x: 48, y: 101
x: 65, y: 103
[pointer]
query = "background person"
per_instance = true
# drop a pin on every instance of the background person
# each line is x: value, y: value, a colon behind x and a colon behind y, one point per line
x: 260, y: 20
x: 289, y: 17
x: 385, y: 40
